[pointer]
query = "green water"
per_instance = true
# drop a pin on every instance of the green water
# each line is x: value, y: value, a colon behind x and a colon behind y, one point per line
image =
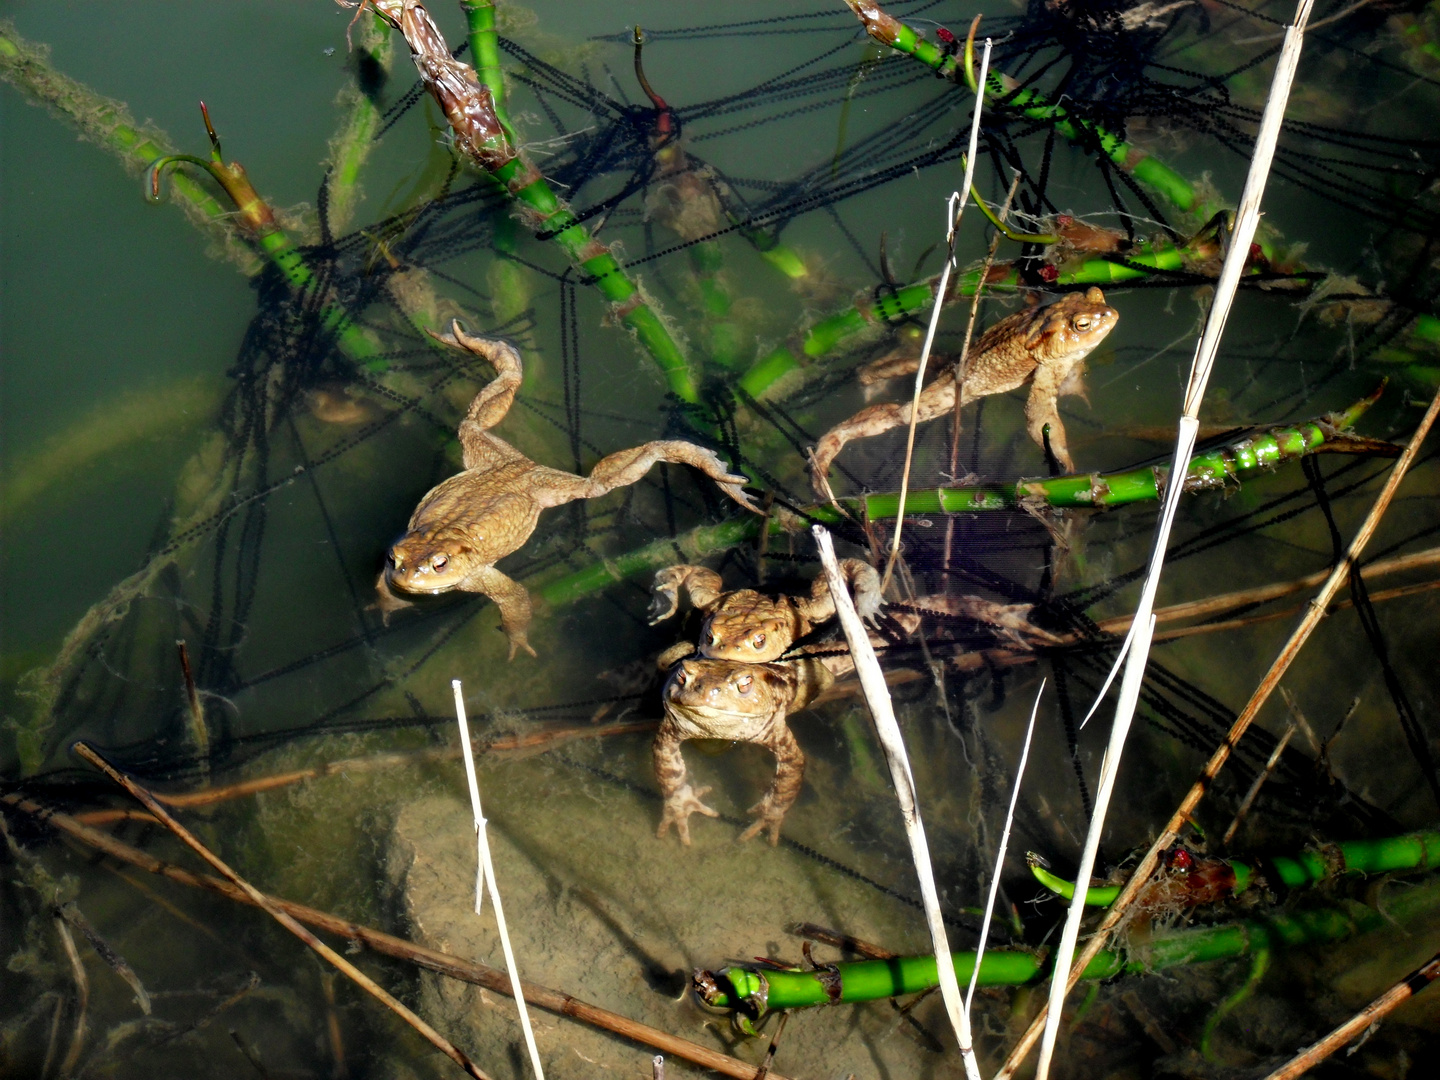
x: 123, y: 340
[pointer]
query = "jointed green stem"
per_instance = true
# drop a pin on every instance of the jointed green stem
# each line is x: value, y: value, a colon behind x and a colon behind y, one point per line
x: 1214, y: 469
x: 868, y: 980
x: 1413, y: 851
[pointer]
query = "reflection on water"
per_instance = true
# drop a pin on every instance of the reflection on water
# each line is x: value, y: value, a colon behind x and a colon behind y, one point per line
x: 192, y: 452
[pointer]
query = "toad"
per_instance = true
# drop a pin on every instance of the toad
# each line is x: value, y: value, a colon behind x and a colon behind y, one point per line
x: 720, y: 699
x: 466, y: 523
x: 745, y: 625
x: 1044, y: 346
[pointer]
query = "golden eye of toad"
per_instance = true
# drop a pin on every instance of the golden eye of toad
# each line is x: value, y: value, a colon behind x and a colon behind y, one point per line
x: 439, y: 562
x: 744, y: 684
x: 1082, y: 323
x: 758, y: 641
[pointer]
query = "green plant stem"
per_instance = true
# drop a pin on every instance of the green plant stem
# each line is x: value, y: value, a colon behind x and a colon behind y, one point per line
x: 1212, y: 470
x: 894, y: 305
x: 101, y: 120
x: 108, y: 123
x: 869, y: 980
x: 1259, y: 964
x: 1032, y: 104
x: 468, y: 105
x: 1413, y: 851
x: 353, y: 142
x: 481, y: 22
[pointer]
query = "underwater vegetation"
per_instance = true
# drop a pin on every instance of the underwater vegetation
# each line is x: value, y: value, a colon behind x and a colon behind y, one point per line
x: 516, y: 384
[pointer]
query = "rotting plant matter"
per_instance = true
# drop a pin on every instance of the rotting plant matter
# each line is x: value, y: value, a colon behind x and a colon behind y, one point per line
x: 481, y: 138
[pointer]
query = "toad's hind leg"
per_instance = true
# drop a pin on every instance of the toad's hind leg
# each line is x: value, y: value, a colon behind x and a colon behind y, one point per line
x: 512, y: 600
x: 935, y: 400
x: 479, y: 447
x: 785, y: 788
x: 625, y: 467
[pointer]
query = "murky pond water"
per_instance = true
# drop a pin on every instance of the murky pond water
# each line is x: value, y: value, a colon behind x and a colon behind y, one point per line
x: 202, y: 444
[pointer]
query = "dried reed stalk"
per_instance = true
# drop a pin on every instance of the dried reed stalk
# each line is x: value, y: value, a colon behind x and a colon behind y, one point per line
x: 1246, y: 219
x: 954, y: 209
x: 1373, y: 1013
x: 485, y: 875
x: 872, y: 683
x: 533, y: 740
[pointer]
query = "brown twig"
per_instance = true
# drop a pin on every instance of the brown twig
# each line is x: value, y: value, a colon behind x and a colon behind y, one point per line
x: 839, y: 940
x: 198, y: 731
x: 1214, y: 605
x: 72, y: 915
x: 453, y: 967
x: 962, y: 362
x: 1250, y: 795
x: 532, y: 740
x: 764, y: 1070
x: 444, y: 1045
x: 1373, y: 1013
x: 1315, y: 611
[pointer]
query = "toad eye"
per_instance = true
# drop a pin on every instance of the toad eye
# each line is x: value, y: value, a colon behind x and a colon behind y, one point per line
x: 758, y: 641
x: 681, y: 678
x: 714, y: 637
x: 1083, y: 322
x: 398, y: 561
x: 438, y: 562
x: 744, y: 683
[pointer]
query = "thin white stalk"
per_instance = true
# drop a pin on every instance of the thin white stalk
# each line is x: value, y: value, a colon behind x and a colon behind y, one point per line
x: 485, y: 872
x: 954, y: 209
x: 1246, y: 220
x: 877, y: 696
x: 1000, y: 854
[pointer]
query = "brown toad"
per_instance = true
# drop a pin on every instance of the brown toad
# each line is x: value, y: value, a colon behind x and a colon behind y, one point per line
x: 720, y: 699
x: 748, y: 626
x: 466, y: 523
x: 1044, y: 346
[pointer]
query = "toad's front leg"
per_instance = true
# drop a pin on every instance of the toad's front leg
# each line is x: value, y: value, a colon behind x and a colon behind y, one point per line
x: 785, y: 788
x: 681, y: 800
x: 1042, y: 410
x: 703, y: 585
x: 512, y: 600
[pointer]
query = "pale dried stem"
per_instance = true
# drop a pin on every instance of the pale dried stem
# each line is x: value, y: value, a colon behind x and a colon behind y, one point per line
x: 887, y: 728
x: 1247, y: 218
x: 485, y: 872
x: 954, y: 209
x: 962, y: 362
